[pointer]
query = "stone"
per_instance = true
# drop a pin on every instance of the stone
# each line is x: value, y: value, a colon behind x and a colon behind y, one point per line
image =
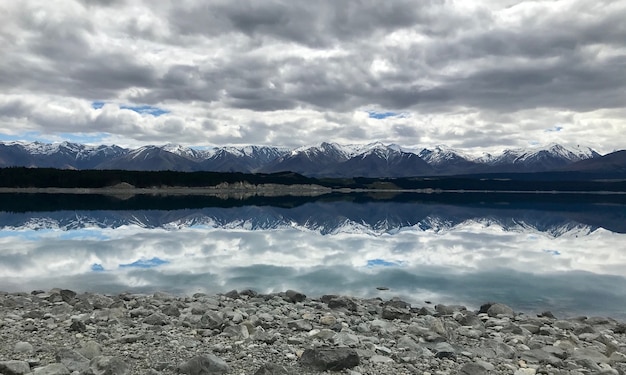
x: 204, y: 364
x: 107, y: 365
x: 272, y: 369
x: 295, y: 296
x: 211, y: 320
x: 67, y: 295
x: 233, y: 294
x: 78, y: 326
x: 99, y: 301
x: 391, y: 313
x: 90, y: 349
x: 328, y: 320
x: 330, y: 359
x: 346, y: 339
x: 156, y: 319
x: 500, y: 309
x: 525, y: 371
x: 170, y: 310
x: 72, y: 359
x: 473, y: 369
x: 23, y: 347
x: 14, y: 367
x: 342, y: 303
x: 52, y: 369
x: 300, y: 325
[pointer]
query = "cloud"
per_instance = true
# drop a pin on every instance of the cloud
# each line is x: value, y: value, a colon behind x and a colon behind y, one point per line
x: 499, y: 73
x: 471, y: 264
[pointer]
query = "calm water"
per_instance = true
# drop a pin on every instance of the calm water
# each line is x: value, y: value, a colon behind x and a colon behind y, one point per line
x: 566, y: 254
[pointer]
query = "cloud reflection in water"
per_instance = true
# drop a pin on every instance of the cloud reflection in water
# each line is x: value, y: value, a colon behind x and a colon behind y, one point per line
x: 470, y: 264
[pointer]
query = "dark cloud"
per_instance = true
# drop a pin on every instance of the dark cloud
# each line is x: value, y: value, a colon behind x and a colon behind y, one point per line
x: 317, y: 25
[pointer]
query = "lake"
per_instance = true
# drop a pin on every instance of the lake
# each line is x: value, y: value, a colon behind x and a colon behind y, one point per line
x: 563, y: 253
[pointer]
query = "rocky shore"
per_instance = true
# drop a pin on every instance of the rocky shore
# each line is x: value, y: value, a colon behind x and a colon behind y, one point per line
x: 241, y: 332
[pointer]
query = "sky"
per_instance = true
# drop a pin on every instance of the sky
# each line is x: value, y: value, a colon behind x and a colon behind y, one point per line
x: 473, y: 75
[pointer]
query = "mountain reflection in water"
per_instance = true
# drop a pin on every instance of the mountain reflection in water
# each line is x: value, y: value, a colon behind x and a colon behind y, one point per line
x: 534, y: 254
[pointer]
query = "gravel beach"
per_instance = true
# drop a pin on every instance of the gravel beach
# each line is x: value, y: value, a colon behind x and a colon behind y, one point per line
x: 242, y: 332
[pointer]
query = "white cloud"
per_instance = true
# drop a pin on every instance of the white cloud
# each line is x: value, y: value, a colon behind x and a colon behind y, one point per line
x: 485, y: 74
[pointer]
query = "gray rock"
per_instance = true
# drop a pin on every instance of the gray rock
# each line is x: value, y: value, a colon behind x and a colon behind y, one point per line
x: 473, y: 369
x: 541, y: 357
x: 99, y: 301
x: 73, y: 360
x: 170, y: 310
x: 500, y: 309
x: 300, y: 325
x: 106, y: 365
x: 380, y: 359
x: 391, y: 313
x: 330, y: 359
x: 346, y: 339
x: 14, y: 367
x: 156, y: 319
x: 78, y: 326
x: 272, y: 369
x: 67, y: 295
x: 52, y: 369
x: 232, y: 294
x: 342, y: 303
x: 90, y: 349
x: 590, y: 354
x: 295, y: 296
x: 23, y: 347
x: 406, y: 342
x: 204, y: 364
x: 211, y: 320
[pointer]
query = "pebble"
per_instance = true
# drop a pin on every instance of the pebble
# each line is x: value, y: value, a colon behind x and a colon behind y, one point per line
x: 242, y: 332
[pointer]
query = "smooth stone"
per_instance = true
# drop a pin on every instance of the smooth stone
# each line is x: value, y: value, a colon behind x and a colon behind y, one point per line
x: 330, y: 359
x: 52, y: 369
x: 23, y: 347
x: 473, y: 369
x: 380, y: 359
x: 328, y: 320
x: 295, y: 296
x: 14, y: 367
x: 500, y: 309
x: 72, y: 359
x: 272, y: 369
x: 106, y: 365
x: 204, y: 364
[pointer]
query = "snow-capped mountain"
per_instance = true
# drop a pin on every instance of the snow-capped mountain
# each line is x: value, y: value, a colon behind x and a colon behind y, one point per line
x: 309, y: 160
x: 322, y: 160
x: 60, y: 155
x: 240, y: 159
x: 149, y: 158
x: 186, y: 152
x: 538, y: 159
x: 448, y: 160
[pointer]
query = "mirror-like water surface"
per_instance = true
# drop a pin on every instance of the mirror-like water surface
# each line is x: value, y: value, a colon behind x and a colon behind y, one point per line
x: 533, y: 254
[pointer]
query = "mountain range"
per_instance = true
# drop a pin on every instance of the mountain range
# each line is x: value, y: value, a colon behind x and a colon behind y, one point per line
x: 329, y: 218
x: 323, y: 160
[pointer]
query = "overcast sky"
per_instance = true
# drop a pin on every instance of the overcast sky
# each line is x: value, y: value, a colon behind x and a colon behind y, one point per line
x: 475, y: 75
